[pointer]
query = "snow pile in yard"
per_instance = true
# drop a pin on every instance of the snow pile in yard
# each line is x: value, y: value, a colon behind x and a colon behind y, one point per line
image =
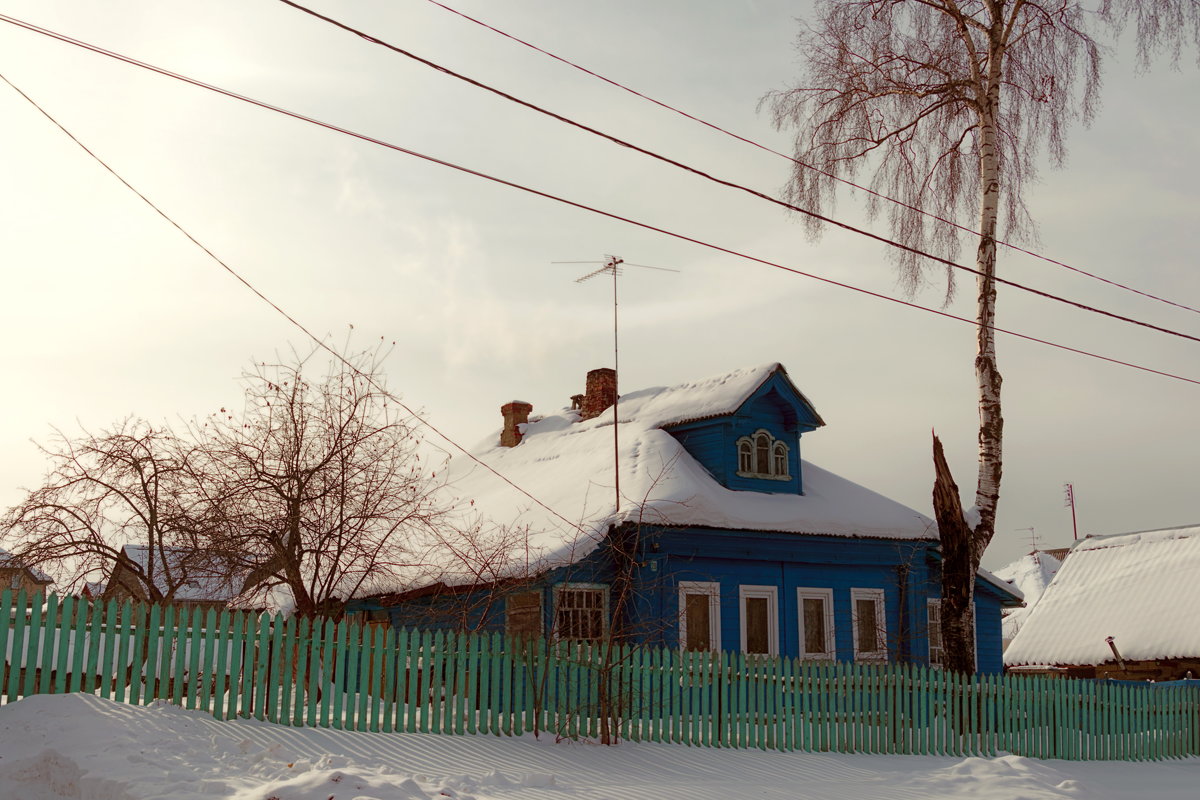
x: 71, y: 747
x: 1031, y: 574
x: 1143, y: 589
x: 568, y: 465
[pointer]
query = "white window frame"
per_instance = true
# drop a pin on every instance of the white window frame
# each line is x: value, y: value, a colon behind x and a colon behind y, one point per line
x: 936, y: 602
x: 881, y: 651
x: 713, y: 590
x: 806, y: 593
x: 560, y: 588
x: 771, y: 593
x: 772, y: 444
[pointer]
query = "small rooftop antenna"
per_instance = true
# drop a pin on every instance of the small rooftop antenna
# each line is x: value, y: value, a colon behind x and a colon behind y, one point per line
x: 1032, y: 538
x: 612, y: 265
x: 1069, y: 500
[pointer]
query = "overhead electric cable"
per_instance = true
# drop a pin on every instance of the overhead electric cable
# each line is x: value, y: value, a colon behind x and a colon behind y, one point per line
x: 731, y: 184
x: 584, y: 207
x: 319, y: 342
x: 805, y: 165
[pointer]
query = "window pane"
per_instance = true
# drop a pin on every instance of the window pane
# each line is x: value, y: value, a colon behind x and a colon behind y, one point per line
x: 935, y: 634
x: 762, y: 455
x: 579, y: 614
x: 698, y: 622
x: 814, y: 625
x: 781, y: 467
x: 745, y: 458
x: 868, y: 633
x: 757, y: 625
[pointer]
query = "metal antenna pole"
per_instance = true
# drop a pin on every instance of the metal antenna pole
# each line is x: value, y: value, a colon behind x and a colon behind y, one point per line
x: 612, y: 264
x: 1069, y: 488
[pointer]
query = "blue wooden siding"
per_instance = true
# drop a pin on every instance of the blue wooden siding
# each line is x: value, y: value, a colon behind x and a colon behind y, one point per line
x: 906, y: 571
x: 775, y: 407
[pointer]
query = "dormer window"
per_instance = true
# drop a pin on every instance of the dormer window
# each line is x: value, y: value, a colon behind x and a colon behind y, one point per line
x: 761, y: 455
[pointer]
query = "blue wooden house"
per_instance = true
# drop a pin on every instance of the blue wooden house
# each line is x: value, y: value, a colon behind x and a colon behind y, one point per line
x: 721, y: 537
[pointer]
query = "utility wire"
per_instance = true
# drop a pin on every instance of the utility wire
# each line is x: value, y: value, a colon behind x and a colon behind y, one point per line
x: 574, y: 204
x: 319, y: 342
x: 805, y: 165
x: 730, y: 184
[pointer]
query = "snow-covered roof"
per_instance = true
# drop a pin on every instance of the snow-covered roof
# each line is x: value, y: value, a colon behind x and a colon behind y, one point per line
x: 567, y: 464
x: 1140, y: 588
x: 1030, y: 574
x: 9, y: 561
x: 197, y: 578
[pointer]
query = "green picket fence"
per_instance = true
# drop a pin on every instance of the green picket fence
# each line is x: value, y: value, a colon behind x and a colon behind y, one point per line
x: 341, y: 675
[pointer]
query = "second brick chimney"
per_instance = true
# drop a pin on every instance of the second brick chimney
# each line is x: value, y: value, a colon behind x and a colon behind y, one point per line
x: 601, y: 392
x: 515, y: 414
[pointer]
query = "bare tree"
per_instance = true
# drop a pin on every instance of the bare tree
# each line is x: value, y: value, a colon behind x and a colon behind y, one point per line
x: 949, y: 104
x: 318, y: 486
x: 103, y: 491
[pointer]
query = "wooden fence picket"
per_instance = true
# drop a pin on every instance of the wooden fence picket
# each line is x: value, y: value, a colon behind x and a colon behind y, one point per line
x: 320, y: 673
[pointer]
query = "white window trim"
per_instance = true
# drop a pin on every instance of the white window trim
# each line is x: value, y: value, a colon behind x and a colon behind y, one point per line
x: 771, y: 593
x: 769, y: 475
x: 805, y: 593
x: 559, y: 588
x: 713, y: 590
x: 877, y: 595
x: 936, y: 602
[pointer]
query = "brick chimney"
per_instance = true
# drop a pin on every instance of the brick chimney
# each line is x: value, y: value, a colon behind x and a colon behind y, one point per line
x: 515, y: 413
x: 601, y: 392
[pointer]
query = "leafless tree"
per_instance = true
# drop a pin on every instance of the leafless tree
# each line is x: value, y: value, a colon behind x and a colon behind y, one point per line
x: 950, y: 104
x: 123, y: 486
x: 319, y: 486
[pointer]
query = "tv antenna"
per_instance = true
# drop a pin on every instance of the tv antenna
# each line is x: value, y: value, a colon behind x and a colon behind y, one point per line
x: 1069, y: 500
x: 612, y: 265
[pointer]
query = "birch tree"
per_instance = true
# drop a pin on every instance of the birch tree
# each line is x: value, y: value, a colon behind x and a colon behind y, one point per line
x: 950, y: 105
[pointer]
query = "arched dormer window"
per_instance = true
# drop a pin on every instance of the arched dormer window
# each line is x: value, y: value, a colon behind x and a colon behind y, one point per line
x: 761, y: 455
x: 745, y: 457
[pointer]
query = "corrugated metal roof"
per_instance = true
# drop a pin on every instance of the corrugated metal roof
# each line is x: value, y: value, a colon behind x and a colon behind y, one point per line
x: 1141, y: 588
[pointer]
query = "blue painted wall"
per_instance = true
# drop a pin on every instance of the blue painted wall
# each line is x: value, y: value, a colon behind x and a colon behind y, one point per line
x: 775, y: 407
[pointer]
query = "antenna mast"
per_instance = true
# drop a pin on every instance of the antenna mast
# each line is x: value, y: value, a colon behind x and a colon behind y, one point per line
x: 1069, y: 500
x: 612, y: 265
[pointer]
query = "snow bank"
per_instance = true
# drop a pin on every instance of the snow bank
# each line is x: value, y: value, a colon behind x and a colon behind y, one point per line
x: 71, y: 747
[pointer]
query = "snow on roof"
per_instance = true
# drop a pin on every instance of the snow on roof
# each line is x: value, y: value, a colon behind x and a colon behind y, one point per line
x: 1030, y: 574
x: 200, y: 580
x: 9, y: 561
x: 567, y: 464
x: 1140, y: 588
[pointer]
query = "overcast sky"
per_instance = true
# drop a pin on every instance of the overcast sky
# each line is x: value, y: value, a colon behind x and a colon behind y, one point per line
x: 111, y: 312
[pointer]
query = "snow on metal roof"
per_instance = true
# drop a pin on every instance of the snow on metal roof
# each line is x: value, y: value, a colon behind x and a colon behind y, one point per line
x: 9, y: 561
x: 200, y: 581
x: 1141, y: 588
x: 1030, y: 574
x: 568, y: 465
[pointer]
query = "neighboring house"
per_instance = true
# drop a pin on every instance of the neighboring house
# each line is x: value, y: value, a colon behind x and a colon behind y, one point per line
x: 1030, y: 574
x: 1121, y: 606
x: 196, y: 580
x: 16, y: 576
x: 735, y: 542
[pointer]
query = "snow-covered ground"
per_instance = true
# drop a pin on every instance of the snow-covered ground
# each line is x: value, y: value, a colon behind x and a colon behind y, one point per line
x: 78, y: 746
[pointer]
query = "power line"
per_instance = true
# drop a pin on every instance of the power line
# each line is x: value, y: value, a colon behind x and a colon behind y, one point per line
x: 730, y: 184
x: 319, y: 342
x: 581, y: 206
x: 798, y: 162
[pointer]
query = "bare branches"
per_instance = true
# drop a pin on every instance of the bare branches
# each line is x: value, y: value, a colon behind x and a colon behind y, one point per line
x: 902, y: 88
